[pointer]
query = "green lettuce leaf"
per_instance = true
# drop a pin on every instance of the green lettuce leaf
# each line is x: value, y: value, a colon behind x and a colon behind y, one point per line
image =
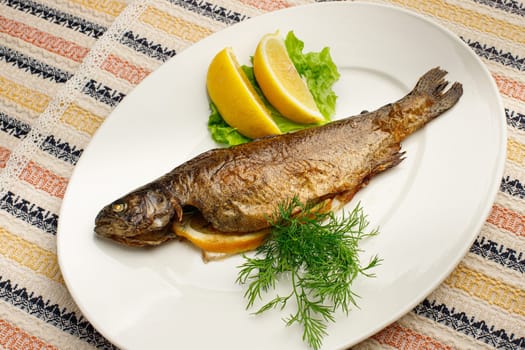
x: 284, y: 124
x: 221, y: 132
x: 320, y: 73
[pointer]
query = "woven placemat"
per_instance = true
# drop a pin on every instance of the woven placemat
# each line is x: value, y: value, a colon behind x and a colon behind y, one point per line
x: 65, y: 65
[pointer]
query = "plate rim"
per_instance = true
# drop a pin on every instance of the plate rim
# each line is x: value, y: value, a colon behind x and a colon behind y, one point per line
x: 492, y: 193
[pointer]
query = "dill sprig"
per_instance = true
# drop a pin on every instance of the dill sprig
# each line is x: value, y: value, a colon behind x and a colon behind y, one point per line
x: 319, y: 252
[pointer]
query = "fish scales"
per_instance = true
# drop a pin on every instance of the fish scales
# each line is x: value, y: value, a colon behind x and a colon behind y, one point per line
x: 237, y: 189
x: 249, y: 181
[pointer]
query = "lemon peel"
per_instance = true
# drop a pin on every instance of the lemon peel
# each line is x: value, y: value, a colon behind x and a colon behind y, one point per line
x: 236, y: 99
x: 199, y: 232
x: 280, y: 82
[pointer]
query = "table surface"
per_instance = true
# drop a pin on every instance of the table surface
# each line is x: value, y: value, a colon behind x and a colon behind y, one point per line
x: 65, y: 65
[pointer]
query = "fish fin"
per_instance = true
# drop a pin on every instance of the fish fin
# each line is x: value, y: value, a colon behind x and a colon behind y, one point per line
x: 433, y: 84
x: 392, y: 158
x: 381, y: 167
x: 336, y: 201
x: 179, y: 211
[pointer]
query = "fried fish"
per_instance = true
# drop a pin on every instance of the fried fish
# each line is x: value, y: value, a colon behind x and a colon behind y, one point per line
x: 237, y: 189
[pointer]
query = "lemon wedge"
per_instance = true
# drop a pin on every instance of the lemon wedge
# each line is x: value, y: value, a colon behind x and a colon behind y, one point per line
x: 236, y: 99
x: 216, y: 245
x: 196, y: 230
x: 280, y: 82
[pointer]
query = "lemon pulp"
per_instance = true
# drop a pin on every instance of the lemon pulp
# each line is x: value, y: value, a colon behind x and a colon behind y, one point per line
x: 201, y: 234
x: 236, y: 99
x: 280, y: 82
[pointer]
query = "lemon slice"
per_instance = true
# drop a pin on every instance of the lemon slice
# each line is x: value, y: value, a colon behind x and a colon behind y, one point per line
x: 200, y: 233
x: 280, y: 82
x: 236, y: 99
x: 217, y: 245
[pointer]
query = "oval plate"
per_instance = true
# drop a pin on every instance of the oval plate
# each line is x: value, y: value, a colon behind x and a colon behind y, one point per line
x: 429, y: 208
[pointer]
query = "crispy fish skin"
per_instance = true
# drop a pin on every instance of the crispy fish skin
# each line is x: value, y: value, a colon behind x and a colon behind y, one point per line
x: 237, y: 189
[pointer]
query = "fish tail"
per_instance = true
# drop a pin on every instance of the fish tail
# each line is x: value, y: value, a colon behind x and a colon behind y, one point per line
x: 425, y: 102
x: 433, y: 85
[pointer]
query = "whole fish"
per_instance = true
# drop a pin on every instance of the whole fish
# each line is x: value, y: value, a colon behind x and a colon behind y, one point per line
x: 237, y: 189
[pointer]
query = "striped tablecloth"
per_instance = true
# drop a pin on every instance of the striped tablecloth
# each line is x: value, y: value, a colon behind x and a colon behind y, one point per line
x: 65, y: 65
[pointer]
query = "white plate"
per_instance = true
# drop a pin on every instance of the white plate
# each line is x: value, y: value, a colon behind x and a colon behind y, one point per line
x: 429, y: 208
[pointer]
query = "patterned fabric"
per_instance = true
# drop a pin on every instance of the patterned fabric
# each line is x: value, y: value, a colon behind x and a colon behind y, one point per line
x: 65, y: 65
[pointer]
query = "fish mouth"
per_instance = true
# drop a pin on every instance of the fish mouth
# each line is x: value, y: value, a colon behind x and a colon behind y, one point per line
x: 118, y: 231
x: 144, y: 239
x: 139, y: 239
x: 107, y: 227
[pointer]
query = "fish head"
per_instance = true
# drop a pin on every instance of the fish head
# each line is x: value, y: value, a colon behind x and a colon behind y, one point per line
x: 140, y: 213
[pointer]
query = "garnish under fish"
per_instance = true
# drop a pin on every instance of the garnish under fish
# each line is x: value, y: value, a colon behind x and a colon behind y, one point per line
x: 237, y: 189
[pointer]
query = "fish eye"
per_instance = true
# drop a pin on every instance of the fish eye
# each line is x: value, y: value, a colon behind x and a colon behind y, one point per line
x: 118, y: 207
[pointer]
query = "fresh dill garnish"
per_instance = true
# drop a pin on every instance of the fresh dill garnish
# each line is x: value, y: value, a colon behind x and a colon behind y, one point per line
x: 319, y: 252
